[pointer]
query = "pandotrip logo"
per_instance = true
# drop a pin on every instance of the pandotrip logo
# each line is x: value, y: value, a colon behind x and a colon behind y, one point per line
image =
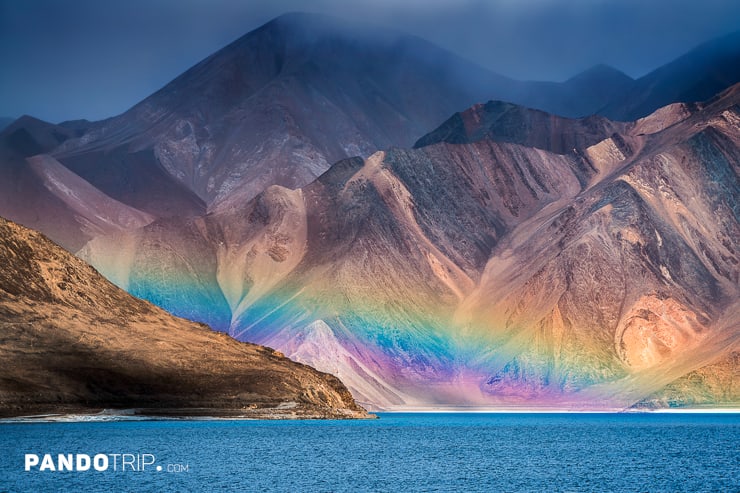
x: 123, y: 462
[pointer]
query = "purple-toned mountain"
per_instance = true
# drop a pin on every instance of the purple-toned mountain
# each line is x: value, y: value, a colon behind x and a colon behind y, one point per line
x: 23, y: 196
x: 38, y: 191
x: 282, y: 103
x: 278, y: 106
x: 489, y: 272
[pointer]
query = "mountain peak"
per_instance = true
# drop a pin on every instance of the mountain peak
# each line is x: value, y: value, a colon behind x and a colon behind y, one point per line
x: 288, y: 99
x: 696, y: 76
x: 499, y: 121
x: 601, y: 72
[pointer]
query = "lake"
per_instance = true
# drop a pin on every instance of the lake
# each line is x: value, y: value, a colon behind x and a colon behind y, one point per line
x: 398, y: 452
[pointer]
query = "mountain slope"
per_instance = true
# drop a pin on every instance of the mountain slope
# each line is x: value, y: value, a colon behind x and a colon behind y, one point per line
x: 38, y: 191
x: 696, y: 76
x: 23, y: 195
x: 506, y: 122
x: 281, y: 104
x: 492, y: 273
x: 72, y: 342
x: 597, y: 270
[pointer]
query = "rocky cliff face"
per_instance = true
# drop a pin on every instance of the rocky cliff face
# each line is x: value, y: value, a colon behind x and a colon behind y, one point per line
x: 488, y: 271
x: 497, y: 273
x: 73, y: 342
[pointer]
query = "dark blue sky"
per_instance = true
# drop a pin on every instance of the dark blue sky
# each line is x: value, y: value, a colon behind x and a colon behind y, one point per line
x: 67, y: 59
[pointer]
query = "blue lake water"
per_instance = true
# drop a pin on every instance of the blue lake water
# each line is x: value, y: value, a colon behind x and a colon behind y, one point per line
x: 398, y: 452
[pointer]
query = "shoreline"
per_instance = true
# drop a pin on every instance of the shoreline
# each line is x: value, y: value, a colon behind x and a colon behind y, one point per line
x: 121, y: 415
x: 180, y: 414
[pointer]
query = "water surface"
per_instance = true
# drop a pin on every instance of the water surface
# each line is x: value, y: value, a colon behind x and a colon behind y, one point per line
x: 398, y: 452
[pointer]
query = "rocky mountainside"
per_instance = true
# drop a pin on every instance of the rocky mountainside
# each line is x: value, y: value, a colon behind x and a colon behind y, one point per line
x: 281, y: 104
x: 73, y: 342
x: 590, y: 279
x: 38, y: 191
x: 277, y: 106
x: 530, y: 268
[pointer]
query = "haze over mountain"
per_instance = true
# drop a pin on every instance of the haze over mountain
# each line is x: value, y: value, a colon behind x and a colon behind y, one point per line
x: 696, y: 76
x: 511, y: 258
x: 282, y: 103
x: 5, y: 121
x: 122, y: 53
x: 73, y: 342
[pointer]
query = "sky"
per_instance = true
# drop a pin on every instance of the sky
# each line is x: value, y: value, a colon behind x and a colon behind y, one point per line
x: 69, y: 59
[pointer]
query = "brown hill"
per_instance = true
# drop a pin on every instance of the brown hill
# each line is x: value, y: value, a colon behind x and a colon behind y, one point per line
x: 72, y: 342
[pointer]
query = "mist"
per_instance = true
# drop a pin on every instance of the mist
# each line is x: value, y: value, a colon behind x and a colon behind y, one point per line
x: 89, y: 59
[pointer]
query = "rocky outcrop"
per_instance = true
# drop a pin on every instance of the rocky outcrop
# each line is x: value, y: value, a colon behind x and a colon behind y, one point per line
x: 505, y: 122
x: 73, y: 342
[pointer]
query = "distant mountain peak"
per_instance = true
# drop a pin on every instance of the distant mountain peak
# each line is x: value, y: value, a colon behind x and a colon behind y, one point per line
x: 598, y: 72
x: 696, y: 76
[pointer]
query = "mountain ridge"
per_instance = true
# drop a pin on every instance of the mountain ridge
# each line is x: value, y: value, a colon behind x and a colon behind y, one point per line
x: 409, y: 263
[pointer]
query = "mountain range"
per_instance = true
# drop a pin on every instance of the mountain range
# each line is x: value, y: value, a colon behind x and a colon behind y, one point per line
x: 346, y: 195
